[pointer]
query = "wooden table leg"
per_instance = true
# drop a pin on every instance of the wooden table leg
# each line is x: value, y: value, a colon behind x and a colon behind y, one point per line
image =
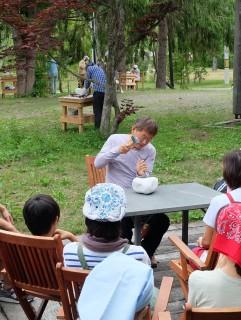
x: 185, y: 226
x: 81, y: 119
x: 64, y: 114
x: 137, y: 230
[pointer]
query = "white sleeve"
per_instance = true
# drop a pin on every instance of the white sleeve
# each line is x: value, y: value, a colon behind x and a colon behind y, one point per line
x: 108, y: 152
x: 216, y: 204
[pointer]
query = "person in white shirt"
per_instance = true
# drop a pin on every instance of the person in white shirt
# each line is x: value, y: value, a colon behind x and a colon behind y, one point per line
x: 135, y: 70
x: 221, y: 287
x: 232, y: 176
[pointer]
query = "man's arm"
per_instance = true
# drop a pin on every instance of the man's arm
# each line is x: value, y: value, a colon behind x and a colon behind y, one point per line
x: 66, y: 235
x: 5, y: 214
x: 5, y: 225
x: 88, y: 76
x: 145, y: 166
x: 109, y: 151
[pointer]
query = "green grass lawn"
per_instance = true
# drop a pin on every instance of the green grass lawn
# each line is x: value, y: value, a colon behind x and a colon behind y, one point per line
x: 36, y: 156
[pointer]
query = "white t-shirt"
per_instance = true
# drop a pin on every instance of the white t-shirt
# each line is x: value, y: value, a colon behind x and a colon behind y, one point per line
x: 213, y: 289
x: 217, y: 203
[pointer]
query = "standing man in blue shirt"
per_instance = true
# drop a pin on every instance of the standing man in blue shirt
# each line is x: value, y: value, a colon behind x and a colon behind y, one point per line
x: 96, y: 73
x: 53, y: 74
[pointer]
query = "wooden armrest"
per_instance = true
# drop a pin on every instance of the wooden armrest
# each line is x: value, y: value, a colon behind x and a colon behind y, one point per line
x: 163, y: 296
x: 60, y: 314
x: 164, y: 315
x: 186, y: 251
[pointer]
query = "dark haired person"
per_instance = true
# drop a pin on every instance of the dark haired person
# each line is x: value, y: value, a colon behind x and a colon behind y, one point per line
x: 221, y: 287
x: 124, y: 162
x: 41, y: 214
x: 105, y: 206
x: 232, y: 175
x: 97, y: 74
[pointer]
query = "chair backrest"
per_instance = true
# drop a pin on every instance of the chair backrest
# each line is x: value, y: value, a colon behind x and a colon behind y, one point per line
x: 210, y: 313
x: 212, y: 256
x: 70, y: 282
x: 30, y: 262
x: 95, y: 175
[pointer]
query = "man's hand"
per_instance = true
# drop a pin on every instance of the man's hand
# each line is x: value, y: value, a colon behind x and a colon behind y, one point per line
x: 5, y: 214
x: 141, y: 167
x: 124, y: 148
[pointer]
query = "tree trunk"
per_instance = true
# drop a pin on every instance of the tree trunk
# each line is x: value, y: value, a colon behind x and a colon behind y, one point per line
x: 161, y: 57
x: 237, y: 63
x: 25, y: 65
x: 170, y: 52
x: 214, y: 64
x: 116, y: 47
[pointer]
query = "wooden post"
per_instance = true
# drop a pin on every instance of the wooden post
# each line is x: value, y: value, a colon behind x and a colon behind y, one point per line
x: 226, y: 65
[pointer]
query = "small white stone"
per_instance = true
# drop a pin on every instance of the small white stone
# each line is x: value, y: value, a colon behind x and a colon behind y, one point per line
x: 145, y: 185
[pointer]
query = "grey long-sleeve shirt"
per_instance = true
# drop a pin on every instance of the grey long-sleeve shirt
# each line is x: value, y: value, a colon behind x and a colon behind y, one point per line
x: 121, y: 168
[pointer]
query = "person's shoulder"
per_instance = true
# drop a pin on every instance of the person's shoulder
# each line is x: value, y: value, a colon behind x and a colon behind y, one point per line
x: 201, y: 276
x: 117, y: 136
x: 71, y: 247
x: 149, y: 147
x: 221, y: 199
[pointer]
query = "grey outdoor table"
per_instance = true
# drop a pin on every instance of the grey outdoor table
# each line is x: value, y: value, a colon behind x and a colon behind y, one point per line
x: 168, y: 198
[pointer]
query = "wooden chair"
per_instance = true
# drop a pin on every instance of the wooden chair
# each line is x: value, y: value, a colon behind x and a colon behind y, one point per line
x: 95, y: 175
x: 210, y: 313
x: 30, y: 262
x: 70, y: 281
x: 181, y: 266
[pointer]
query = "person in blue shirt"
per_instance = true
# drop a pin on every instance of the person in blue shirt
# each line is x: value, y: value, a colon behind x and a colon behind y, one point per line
x: 97, y: 74
x: 53, y: 74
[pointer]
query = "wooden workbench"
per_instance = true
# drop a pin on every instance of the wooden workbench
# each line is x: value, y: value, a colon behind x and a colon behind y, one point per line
x: 6, y: 80
x: 127, y: 80
x: 70, y: 104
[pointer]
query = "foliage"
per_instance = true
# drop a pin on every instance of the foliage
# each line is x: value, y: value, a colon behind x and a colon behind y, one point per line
x: 199, y: 73
x: 41, y: 83
x: 127, y: 108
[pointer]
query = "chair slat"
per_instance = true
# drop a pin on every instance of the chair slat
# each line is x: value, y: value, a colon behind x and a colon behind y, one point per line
x: 95, y: 175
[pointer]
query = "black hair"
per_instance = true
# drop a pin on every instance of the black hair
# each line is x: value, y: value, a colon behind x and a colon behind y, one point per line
x: 238, y: 269
x: 110, y: 231
x: 232, y: 169
x: 40, y: 212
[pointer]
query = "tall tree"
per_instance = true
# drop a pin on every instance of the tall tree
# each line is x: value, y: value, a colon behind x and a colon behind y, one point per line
x: 161, y: 57
x: 237, y: 63
x: 197, y: 27
x: 33, y: 24
x: 122, y: 36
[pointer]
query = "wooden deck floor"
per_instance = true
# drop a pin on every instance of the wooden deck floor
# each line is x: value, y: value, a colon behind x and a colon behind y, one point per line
x: 164, y: 254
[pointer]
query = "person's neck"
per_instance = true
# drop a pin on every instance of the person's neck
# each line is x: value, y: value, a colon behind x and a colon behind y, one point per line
x: 229, y: 269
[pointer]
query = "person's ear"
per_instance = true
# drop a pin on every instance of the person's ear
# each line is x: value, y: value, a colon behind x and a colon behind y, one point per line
x: 56, y: 221
x: 133, y: 129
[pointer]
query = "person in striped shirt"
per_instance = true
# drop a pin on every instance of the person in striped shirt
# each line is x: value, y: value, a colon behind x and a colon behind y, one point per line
x: 105, y: 206
x: 98, y: 76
